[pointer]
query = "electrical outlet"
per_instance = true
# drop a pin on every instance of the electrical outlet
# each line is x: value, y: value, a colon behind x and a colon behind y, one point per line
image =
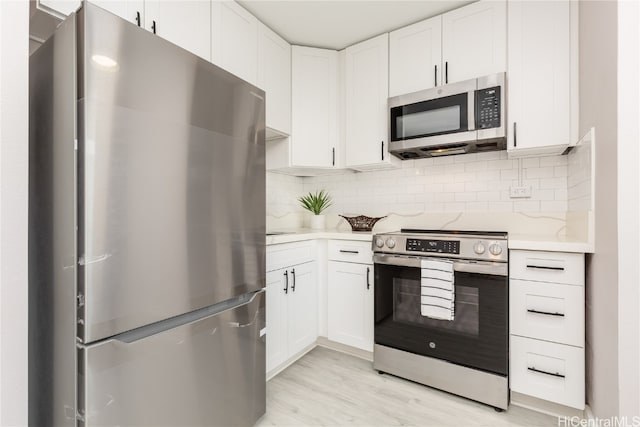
x: 521, y: 192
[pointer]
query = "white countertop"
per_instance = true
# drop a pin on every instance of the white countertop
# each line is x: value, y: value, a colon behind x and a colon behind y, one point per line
x: 516, y: 241
x: 301, y: 234
x: 549, y: 243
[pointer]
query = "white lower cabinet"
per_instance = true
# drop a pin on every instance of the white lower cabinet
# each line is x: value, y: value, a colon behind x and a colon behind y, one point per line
x: 350, y: 294
x: 292, y: 303
x: 548, y: 371
x: 350, y: 304
x: 546, y: 321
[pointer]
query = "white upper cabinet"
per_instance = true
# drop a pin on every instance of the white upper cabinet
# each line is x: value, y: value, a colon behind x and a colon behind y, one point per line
x: 234, y: 35
x: 185, y: 23
x: 366, y: 86
x: 474, y: 40
x: 274, y: 77
x: 314, y: 87
x: 539, y: 78
x: 131, y: 10
x: 459, y: 45
x: 415, y: 57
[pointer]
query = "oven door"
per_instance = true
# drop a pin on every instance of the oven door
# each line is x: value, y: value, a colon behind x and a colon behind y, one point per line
x: 476, y: 338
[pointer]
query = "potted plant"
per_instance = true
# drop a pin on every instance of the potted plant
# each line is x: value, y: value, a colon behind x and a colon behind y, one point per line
x: 316, y: 203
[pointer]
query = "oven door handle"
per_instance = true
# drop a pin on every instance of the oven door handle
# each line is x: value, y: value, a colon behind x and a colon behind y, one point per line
x: 478, y: 267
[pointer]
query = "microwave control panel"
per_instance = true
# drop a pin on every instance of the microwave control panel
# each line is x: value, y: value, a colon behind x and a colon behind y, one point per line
x: 488, y: 108
x: 439, y: 246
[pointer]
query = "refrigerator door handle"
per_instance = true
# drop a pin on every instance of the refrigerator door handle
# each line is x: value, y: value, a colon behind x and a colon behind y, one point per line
x: 146, y: 331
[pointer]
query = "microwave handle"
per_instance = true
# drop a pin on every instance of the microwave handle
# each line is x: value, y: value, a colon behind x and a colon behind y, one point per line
x: 515, y: 134
x: 435, y: 75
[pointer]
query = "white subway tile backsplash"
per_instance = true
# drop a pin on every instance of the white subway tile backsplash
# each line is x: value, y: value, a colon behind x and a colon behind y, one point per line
x: 477, y: 207
x: 509, y: 174
x: 466, y: 197
x: 472, y: 182
x: 546, y: 172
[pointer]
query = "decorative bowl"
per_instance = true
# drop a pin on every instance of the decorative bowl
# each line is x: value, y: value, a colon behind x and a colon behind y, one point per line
x: 361, y: 222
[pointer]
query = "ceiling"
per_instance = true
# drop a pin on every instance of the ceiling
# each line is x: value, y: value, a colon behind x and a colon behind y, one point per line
x: 336, y: 24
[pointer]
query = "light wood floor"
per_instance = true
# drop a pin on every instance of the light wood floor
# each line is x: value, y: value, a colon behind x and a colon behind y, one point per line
x: 329, y: 388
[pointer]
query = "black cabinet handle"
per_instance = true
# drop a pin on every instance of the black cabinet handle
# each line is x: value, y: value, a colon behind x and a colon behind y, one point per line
x: 545, y: 313
x: 544, y: 267
x: 435, y: 76
x: 446, y: 72
x: 333, y: 156
x: 515, y: 134
x: 382, y: 149
x: 368, y: 284
x: 286, y: 282
x: 153, y: 27
x: 293, y: 278
x: 545, y: 372
x: 138, y: 18
x: 348, y: 252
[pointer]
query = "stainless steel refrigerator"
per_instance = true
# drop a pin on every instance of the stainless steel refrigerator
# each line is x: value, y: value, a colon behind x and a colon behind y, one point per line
x: 146, y: 233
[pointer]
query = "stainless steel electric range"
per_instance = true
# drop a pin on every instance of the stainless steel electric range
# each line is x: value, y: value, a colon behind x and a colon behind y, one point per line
x: 468, y: 355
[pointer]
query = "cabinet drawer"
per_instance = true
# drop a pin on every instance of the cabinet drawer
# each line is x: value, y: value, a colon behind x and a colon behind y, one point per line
x: 288, y: 254
x: 548, y: 371
x: 350, y: 251
x: 547, y: 311
x: 554, y: 267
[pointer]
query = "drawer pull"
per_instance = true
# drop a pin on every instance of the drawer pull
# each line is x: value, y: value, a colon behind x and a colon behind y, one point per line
x: 546, y: 373
x: 544, y: 267
x: 545, y: 312
x: 349, y: 252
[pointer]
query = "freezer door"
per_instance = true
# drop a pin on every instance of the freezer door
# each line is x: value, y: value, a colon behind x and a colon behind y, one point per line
x: 171, y: 167
x: 210, y: 372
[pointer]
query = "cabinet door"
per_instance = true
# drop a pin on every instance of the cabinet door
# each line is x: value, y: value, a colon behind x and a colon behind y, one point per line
x: 539, y: 76
x: 131, y: 10
x: 185, y: 23
x: 415, y: 57
x: 314, y: 87
x: 474, y: 40
x: 366, y: 84
x: 350, y: 304
x: 302, y: 307
x: 274, y: 76
x: 276, y: 307
x: 235, y: 40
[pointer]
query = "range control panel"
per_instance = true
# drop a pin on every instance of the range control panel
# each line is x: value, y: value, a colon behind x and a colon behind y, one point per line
x: 438, y: 246
x: 488, y: 108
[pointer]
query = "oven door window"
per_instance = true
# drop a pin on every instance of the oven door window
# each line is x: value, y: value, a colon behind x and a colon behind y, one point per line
x: 477, y: 337
x: 429, y: 118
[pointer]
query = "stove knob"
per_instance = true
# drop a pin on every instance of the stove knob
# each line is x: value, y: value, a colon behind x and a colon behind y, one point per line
x: 479, y: 248
x: 391, y: 243
x: 379, y: 242
x: 495, y: 249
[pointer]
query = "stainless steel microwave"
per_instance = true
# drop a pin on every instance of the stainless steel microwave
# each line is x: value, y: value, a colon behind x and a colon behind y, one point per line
x: 457, y: 118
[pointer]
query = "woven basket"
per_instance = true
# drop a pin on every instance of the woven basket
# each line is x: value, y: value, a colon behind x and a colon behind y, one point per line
x: 361, y: 222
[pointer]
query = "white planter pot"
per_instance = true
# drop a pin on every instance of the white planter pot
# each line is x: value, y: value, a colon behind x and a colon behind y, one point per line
x: 317, y: 222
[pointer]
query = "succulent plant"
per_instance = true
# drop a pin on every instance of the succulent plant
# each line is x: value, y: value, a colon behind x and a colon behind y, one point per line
x: 316, y: 202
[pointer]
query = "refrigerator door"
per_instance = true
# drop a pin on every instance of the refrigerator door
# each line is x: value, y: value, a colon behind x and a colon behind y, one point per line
x: 209, y: 372
x: 171, y: 166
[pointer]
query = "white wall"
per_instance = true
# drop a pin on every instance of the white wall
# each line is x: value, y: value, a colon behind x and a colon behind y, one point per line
x: 629, y: 207
x: 598, y: 108
x: 14, y: 37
